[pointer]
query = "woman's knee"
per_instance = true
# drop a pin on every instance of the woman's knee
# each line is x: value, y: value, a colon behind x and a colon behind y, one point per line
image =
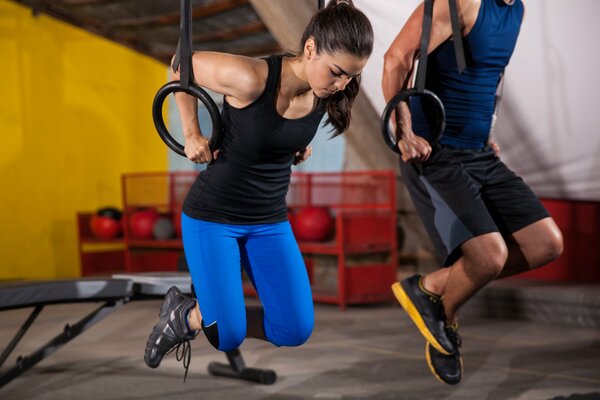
x: 294, y: 333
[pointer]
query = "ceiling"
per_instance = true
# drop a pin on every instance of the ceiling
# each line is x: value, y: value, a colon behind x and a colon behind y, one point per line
x: 152, y: 27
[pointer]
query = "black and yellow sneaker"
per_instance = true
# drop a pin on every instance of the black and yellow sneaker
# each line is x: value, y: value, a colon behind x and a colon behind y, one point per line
x: 426, y: 311
x: 171, y: 332
x: 448, y: 369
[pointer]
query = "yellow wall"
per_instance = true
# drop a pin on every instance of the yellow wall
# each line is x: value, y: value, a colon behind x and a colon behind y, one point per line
x: 74, y: 115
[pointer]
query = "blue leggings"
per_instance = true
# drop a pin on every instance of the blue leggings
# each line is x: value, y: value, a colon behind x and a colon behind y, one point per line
x: 215, y: 253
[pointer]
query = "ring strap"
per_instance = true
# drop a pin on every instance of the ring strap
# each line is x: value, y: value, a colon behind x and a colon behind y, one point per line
x: 425, y: 36
x: 183, y: 54
x: 459, y: 51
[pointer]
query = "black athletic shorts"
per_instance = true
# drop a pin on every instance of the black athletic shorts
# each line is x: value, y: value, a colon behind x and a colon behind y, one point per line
x: 464, y: 193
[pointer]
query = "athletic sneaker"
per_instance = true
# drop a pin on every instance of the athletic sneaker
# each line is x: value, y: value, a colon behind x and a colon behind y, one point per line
x: 426, y: 311
x: 171, y: 333
x: 447, y: 369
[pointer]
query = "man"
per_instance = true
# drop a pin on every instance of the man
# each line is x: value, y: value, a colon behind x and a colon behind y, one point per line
x: 484, y: 221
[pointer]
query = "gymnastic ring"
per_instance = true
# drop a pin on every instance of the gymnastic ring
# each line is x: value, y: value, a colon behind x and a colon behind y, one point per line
x: 440, y: 116
x: 193, y: 90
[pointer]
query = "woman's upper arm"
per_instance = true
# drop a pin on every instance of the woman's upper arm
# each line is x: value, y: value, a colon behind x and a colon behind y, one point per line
x: 234, y: 76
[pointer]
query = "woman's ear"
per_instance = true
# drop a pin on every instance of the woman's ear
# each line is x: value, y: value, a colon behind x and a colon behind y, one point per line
x: 310, y: 48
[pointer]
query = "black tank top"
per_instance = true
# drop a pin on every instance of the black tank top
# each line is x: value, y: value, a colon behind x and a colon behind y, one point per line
x: 248, y: 182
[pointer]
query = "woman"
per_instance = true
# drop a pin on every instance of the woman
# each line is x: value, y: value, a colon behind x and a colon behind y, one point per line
x: 236, y: 212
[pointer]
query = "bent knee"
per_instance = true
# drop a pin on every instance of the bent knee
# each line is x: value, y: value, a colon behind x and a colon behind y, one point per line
x: 495, y: 263
x: 551, y: 247
x: 294, y: 334
x: 489, y: 261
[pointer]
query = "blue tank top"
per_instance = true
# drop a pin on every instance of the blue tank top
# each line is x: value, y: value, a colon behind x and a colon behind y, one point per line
x: 248, y: 182
x: 469, y: 97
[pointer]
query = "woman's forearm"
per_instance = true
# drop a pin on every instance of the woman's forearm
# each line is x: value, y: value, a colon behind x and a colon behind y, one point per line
x: 188, y: 113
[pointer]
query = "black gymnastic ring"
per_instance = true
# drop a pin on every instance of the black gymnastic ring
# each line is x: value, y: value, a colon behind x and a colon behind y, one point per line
x: 440, y: 118
x: 193, y: 90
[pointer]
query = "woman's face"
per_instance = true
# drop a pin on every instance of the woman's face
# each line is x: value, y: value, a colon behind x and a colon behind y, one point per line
x: 328, y: 73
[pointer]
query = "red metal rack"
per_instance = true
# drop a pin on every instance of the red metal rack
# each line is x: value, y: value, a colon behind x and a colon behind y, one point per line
x: 98, y: 256
x: 364, y: 206
x: 164, y: 192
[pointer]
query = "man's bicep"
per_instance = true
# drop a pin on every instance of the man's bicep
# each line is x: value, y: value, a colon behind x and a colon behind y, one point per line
x: 408, y: 40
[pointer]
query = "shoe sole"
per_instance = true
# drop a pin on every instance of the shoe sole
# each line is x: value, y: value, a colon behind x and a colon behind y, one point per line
x: 413, y: 313
x: 434, y: 372
x: 146, y: 351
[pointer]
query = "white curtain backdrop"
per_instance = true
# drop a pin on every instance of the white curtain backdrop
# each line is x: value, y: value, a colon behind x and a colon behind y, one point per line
x: 549, y: 117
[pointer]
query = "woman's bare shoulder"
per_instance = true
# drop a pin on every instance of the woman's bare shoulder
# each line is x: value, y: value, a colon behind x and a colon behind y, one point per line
x: 234, y: 75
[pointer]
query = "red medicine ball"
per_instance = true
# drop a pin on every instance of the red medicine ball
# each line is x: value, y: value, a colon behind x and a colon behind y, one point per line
x: 142, y: 222
x: 313, y: 224
x: 105, y: 227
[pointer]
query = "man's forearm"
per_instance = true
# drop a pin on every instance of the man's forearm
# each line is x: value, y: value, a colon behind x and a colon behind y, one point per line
x: 396, y: 77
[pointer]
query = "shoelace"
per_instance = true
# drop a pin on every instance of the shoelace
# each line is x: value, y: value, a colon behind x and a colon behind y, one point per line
x: 185, y: 354
x: 454, y: 336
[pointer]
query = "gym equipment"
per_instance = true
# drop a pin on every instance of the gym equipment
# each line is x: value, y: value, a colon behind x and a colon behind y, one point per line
x: 110, y: 212
x: 141, y: 223
x: 364, y: 205
x: 105, y: 227
x: 113, y: 293
x: 163, y: 229
x: 419, y: 90
x: 183, y: 59
x: 313, y: 224
x: 106, y: 223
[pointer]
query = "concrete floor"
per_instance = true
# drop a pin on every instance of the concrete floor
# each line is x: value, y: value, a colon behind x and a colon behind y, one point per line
x: 362, y: 353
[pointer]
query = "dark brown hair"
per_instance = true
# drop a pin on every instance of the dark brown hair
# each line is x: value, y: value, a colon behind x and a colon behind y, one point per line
x: 341, y: 28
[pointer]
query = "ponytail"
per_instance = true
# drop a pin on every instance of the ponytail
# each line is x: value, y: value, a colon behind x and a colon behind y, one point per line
x: 342, y: 28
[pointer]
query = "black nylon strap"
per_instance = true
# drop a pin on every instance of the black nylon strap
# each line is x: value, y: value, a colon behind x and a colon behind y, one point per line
x: 425, y: 38
x: 459, y: 51
x: 425, y: 35
x: 183, y: 55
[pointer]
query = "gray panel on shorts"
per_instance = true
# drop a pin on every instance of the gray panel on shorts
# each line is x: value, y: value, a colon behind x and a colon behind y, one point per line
x: 450, y: 228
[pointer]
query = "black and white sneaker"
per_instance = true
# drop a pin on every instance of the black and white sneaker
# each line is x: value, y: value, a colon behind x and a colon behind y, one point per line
x: 171, y: 333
